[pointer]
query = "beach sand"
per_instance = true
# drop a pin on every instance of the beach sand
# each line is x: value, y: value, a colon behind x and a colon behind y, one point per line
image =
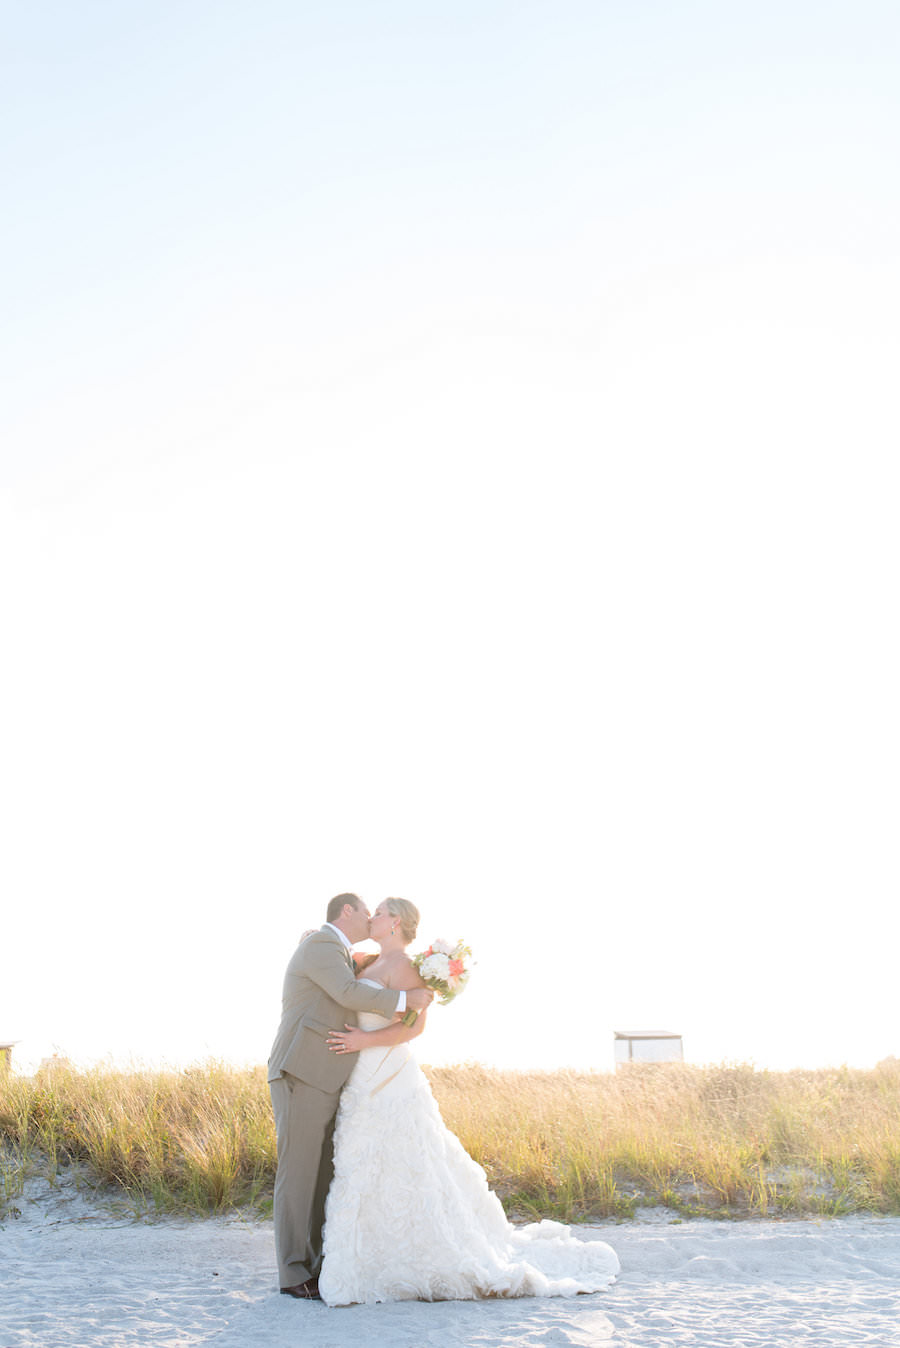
x: 79, y: 1270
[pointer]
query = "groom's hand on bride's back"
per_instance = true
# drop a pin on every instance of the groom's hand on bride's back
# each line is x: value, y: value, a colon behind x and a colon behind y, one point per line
x: 419, y: 999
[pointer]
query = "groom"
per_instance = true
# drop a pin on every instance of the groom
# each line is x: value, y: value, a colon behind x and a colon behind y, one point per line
x: 305, y: 1080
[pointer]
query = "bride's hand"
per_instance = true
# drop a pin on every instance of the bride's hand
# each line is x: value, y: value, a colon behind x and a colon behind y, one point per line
x: 350, y: 1041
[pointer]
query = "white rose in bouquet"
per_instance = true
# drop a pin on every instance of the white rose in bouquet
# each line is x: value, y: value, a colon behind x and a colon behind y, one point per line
x: 435, y: 966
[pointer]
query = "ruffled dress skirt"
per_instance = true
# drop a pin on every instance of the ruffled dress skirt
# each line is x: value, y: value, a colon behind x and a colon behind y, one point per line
x: 410, y: 1215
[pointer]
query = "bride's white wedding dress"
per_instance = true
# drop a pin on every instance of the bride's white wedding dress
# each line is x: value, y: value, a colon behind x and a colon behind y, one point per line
x: 410, y: 1215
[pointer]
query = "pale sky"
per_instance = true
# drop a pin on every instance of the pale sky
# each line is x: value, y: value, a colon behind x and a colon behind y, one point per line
x: 449, y: 451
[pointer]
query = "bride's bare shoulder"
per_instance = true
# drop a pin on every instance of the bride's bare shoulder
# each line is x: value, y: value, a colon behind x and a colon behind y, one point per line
x: 404, y: 974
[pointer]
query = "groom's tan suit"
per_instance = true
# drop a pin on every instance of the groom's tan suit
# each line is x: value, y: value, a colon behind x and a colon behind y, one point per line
x: 305, y: 1080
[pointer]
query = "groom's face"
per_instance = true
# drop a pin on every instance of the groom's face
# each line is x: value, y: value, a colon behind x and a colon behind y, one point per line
x: 359, y: 924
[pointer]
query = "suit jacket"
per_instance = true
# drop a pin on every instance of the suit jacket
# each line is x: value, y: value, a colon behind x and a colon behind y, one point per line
x: 321, y: 994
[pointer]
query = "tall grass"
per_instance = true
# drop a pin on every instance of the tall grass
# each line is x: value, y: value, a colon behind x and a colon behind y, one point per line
x: 198, y: 1140
x: 716, y: 1139
x: 727, y: 1140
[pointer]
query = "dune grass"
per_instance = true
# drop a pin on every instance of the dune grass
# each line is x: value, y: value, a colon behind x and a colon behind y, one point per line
x: 200, y: 1140
x: 723, y: 1140
x: 716, y: 1140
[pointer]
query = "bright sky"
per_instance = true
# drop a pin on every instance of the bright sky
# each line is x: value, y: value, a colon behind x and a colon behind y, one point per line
x: 449, y: 451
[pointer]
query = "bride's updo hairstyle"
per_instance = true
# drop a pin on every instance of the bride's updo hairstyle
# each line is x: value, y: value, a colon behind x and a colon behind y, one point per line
x: 407, y: 914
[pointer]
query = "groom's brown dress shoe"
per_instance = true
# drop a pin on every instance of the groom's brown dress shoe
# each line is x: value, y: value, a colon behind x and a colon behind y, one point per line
x: 304, y: 1291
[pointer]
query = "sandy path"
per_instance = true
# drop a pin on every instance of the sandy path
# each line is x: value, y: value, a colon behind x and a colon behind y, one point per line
x: 75, y: 1273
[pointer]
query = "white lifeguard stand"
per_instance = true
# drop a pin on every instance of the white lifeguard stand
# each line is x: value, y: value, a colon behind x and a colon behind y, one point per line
x: 647, y: 1046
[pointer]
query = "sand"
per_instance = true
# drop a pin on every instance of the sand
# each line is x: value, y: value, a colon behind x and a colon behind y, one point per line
x: 79, y: 1270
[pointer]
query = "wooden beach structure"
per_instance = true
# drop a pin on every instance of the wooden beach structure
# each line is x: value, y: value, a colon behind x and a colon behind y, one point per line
x: 6, y: 1048
x: 647, y: 1046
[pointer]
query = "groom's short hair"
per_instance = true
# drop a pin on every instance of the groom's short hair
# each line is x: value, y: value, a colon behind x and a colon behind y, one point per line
x: 336, y: 905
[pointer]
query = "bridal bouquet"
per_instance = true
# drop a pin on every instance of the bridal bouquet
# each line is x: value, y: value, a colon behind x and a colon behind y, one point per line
x: 442, y: 967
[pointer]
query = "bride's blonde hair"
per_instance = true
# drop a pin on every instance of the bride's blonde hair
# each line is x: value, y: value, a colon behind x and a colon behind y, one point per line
x: 407, y: 914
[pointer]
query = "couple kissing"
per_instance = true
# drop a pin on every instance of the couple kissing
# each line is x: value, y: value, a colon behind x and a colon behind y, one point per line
x: 375, y: 1199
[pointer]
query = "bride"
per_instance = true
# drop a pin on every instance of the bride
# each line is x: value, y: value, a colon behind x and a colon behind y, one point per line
x: 409, y: 1214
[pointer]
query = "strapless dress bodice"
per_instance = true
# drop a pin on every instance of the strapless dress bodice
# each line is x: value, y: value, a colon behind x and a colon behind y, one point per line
x: 370, y: 1020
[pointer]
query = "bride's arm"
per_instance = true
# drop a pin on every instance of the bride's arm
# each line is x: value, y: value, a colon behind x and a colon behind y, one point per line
x: 352, y: 1039
x: 403, y: 975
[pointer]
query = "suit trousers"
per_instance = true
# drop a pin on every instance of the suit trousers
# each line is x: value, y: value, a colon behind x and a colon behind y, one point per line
x: 304, y: 1130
